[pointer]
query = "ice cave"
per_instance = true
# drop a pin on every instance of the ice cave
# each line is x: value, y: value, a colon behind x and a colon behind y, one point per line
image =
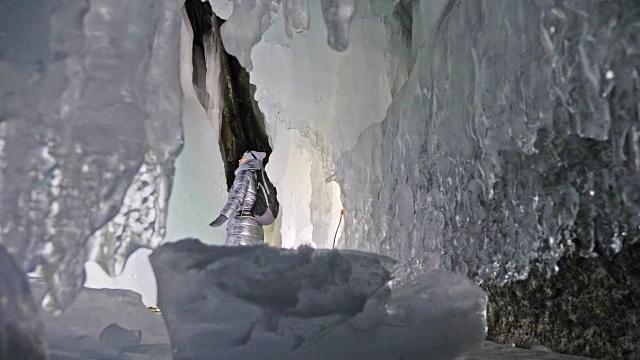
x: 457, y: 179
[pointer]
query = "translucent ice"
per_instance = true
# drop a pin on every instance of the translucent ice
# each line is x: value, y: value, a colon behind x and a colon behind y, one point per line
x: 84, y: 110
x: 337, y: 16
x: 222, y: 8
x: 244, y: 28
x: 296, y: 14
x: 520, y: 171
x: 250, y: 19
x: 495, y: 152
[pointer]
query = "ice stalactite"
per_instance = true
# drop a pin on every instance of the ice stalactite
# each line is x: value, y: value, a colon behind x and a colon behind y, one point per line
x: 103, y: 97
x: 296, y: 13
x: 251, y: 19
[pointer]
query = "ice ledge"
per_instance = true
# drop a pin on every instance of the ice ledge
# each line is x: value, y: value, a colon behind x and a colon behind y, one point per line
x: 266, y: 303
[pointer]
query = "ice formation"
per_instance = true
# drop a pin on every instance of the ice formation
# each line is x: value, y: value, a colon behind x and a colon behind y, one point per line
x: 265, y: 303
x: 513, y: 145
x: 104, y: 324
x: 89, y: 111
x: 250, y: 19
x: 470, y: 136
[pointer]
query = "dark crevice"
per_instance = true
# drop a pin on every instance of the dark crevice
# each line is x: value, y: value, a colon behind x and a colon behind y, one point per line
x: 242, y: 124
x: 199, y: 14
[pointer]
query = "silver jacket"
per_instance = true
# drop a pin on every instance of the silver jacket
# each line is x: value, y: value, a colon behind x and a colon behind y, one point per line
x: 242, y: 228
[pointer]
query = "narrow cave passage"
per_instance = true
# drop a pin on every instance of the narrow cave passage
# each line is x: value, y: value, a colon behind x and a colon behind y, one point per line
x: 242, y: 125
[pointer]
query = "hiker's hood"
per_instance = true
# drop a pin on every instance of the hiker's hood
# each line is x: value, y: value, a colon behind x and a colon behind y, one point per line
x: 251, y: 154
x: 253, y: 164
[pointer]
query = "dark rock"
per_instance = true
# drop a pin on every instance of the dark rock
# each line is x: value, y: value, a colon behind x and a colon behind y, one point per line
x: 591, y: 307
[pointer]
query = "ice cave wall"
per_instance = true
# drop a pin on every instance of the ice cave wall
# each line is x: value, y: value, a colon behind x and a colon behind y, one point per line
x: 332, y: 100
x: 487, y: 159
x: 90, y: 131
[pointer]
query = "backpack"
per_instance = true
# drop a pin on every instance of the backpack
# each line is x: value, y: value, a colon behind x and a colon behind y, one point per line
x: 266, y: 207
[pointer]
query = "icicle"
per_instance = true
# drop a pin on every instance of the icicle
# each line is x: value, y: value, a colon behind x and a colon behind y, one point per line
x: 296, y: 15
x: 337, y: 16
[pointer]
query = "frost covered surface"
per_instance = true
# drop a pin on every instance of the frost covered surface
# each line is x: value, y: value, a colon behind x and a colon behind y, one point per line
x: 244, y: 28
x: 89, y: 111
x: 493, y: 351
x: 104, y: 324
x: 514, y: 139
x: 259, y: 302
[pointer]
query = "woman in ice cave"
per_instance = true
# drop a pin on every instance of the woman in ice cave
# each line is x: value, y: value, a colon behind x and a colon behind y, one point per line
x: 243, y: 228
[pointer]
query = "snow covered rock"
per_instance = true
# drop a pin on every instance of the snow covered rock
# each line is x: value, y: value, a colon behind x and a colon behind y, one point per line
x: 265, y: 303
x: 105, y: 324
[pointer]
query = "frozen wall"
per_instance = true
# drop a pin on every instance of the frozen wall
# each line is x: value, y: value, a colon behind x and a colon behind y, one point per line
x: 198, y: 192
x: 90, y: 130
x: 510, y: 143
x: 310, y: 206
x: 497, y: 149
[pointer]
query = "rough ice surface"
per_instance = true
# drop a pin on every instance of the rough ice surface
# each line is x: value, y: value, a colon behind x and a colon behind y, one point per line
x: 488, y: 158
x: 89, y: 110
x: 265, y: 303
x: 137, y: 276
x: 512, y: 145
x: 493, y: 351
x: 104, y: 324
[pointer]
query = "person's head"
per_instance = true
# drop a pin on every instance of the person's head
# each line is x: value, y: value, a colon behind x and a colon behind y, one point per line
x: 244, y: 159
x: 250, y: 155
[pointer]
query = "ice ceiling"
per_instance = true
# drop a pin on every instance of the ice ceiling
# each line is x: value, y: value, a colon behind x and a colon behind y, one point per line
x: 473, y: 136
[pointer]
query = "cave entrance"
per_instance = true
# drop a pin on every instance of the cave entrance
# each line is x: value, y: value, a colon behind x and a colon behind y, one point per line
x: 242, y: 125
